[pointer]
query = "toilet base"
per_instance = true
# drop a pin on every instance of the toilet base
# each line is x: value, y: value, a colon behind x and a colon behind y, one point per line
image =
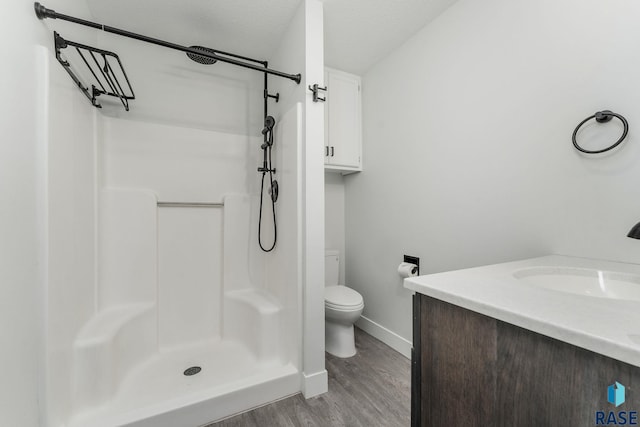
x: 339, y: 339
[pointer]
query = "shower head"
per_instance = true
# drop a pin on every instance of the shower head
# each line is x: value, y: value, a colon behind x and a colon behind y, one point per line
x: 269, y: 123
x: 634, y: 233
x: 202, y: 59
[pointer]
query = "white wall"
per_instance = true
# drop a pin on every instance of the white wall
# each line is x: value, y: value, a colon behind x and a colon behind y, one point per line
x: 467, y: 136
x: 313, y: 194
x: 42, y: 204
x: 301, y: 51
x: 18, y: 219
x: 69, y: 214
x: 71, y: 221
x: 334, y: 236
x: 283, y: 265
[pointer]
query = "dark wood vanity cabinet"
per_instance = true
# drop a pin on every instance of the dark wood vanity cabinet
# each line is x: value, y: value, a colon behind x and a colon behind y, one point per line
x: 469, y: 370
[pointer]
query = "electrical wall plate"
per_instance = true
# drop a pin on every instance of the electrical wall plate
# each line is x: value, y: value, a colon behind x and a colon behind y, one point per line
x: 413, y: 260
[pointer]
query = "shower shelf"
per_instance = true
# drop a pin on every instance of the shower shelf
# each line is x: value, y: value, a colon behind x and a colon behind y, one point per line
x: 104, y: 71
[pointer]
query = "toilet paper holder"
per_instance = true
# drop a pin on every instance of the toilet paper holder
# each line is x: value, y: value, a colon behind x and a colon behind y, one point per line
x: 413, y: 260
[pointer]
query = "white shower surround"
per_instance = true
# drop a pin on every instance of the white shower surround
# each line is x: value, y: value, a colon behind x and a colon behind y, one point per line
x: 129, y: 358
x: 153, y: 312
x: 185, y: 286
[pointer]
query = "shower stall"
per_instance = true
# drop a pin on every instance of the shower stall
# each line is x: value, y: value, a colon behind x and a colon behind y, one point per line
x: 160, y: 307
x: 189, y: 310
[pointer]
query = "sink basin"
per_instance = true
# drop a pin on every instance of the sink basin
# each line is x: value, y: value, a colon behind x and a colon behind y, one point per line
x: 582, y: 281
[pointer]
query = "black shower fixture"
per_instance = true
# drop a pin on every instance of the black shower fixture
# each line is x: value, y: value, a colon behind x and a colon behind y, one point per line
x: 267, y: 167
x: 214, y: 54
x: 104, y: 66
x: 201, y: 59
x: 269, y: 123
x: 200, y: 54
x: 634, y: 233
x: 267, y: 131
x: 206, y: 56
x: 273, y: 189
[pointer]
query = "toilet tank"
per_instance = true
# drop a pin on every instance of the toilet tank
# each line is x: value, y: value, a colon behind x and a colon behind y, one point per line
x: 331, y: 267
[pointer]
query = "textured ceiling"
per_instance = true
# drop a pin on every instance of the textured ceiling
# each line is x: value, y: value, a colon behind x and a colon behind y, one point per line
x: 358, y: 33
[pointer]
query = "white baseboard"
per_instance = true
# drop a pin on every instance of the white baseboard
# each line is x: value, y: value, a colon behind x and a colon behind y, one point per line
x: 388, y: 337
x: 315, y: 384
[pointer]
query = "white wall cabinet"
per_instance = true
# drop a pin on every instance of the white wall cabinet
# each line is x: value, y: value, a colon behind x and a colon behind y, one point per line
x: 343, y: 122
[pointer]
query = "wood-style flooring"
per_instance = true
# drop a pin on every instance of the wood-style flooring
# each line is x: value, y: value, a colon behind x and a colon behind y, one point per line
x: 372, y: 388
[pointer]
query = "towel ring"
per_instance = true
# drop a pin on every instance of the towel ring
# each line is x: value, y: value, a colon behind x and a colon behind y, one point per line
x: 602, y: 117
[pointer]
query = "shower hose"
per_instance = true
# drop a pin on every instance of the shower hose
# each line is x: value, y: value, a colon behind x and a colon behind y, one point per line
x: 273, y: 187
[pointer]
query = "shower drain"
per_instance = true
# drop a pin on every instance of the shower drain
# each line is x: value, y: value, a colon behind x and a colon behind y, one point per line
x: 192, y: 370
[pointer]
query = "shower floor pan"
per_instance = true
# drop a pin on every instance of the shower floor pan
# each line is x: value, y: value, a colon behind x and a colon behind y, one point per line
x: 157, y: 393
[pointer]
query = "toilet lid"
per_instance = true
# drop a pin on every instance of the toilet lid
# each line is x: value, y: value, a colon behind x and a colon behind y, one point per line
x: 341, y: 296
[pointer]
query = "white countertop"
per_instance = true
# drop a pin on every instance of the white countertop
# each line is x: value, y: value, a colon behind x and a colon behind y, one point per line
x: 606, y: 326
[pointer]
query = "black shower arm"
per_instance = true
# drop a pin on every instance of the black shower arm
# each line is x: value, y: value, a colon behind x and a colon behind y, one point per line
x: 42, y: 13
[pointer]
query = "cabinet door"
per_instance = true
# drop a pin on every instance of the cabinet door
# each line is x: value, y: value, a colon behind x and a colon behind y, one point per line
x: 343, y: 120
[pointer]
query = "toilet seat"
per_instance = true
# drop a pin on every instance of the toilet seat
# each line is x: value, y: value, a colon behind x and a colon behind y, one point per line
x: 342, y: 298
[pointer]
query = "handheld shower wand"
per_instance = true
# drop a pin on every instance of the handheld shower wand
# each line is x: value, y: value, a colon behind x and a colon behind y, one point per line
x: 267, y: 131
x: 269, y: 123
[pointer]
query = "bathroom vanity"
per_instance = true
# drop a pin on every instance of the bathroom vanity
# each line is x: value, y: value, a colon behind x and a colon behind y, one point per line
x: 528, y: 343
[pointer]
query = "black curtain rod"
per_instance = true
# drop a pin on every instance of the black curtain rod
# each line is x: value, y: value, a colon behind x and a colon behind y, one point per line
x: 42, y: 13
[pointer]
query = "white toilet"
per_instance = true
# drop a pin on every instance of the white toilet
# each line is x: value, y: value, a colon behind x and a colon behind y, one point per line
x: 342, y: 307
